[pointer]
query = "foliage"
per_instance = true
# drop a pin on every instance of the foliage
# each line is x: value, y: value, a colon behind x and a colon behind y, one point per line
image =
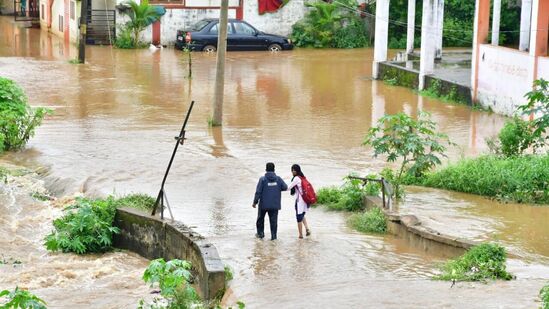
x: 435, y: 90
x: 228, y: 273
x: 522, y: 179
x: 544, y: 295
x: 21, y: 299
x: 124, y: 39
x: 174, y: 279
x: 345, y: 198
x: 18, y: 120
x: 371, y: 221
x: 137, y: 201
x: 482, y: 262
x: 330, y: 25
x: 538, y: 105
x: 391, y: 177
x: 458, y: 23
x: 85, y: 227
x: 415, y: 142
x: 516, y: 136
x: 141, y: 15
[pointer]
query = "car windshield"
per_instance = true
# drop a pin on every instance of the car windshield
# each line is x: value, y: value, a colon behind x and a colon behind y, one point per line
x: 199, y: 25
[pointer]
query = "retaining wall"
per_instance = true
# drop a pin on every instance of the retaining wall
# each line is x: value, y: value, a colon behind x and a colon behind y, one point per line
x: 409, y: 227
x: 153, y: 238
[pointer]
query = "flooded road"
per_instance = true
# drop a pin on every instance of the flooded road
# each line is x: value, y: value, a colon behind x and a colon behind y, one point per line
x: 113, y: 128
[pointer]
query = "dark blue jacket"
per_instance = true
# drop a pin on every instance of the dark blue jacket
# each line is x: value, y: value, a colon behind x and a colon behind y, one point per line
x: 268, y: 191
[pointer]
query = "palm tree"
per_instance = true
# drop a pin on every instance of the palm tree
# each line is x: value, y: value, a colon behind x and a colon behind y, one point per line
x: 141, y: 15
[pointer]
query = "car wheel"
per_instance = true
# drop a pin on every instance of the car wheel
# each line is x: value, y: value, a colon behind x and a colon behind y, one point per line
x: 209, y: 49
x: 274, y: 48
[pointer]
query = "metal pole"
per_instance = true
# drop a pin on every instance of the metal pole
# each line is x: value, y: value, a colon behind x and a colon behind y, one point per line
x: 179, y: 140
x: 83, y: 29
x: 383, y: 191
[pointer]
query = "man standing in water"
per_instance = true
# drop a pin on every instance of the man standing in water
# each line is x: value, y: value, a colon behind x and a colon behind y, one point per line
x: 267, y: 194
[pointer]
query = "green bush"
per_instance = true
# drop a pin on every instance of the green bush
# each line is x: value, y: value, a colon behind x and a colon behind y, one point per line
x: 174, y: 280
x: 21, y: 299
x: 371, y: 221
x: 18, y: 120
x: 86, y: 227
x: 328, y: 195
x: 137, y: 201
x: 346, y: 198
x: 538, y: 104
x: 480, y: 263
x: 124, y: 39
x: 516, y: 136
x: 330, y: 25
x: 544, y: 295
x: 520, y: 179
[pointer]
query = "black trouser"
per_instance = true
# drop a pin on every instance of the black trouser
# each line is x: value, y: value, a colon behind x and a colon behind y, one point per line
x: 273, y: 221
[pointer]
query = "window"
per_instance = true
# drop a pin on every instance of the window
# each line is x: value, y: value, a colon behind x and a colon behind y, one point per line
x: 242, y: 28
x: 213, y: 30
x: 72, y: 10
x: 61, y: 23
x: 42, y: 12
x: 199, y: 25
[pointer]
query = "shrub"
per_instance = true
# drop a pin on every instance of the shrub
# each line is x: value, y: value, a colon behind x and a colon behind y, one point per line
x: 416, y: 143
x: 141, y: 15
x: 86, y: 227
x: 371, y: 221
x: 21, y: 299
x: 328, y: 195
x: 174, y: 280
x: 330, y: 25
x: 18, y: 121
x: 137, y: 201
x: 544, y: 295
x: 520, y: 179
x: 124, y: 38
x: 480, y: 263
x: 516, y: 136
x: 538, y: 104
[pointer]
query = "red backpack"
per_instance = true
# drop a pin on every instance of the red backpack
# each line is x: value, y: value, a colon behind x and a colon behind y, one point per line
x: 308, y: 194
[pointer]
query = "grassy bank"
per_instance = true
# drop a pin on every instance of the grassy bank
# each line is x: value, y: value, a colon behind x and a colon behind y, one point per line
x: 349, y: 198
x: 517, y: 179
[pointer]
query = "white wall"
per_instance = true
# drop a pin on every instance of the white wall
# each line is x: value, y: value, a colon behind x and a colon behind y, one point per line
x: 57, y: 9
x: 279, y: 22
x: 504, y: 76
x: 543, y: 68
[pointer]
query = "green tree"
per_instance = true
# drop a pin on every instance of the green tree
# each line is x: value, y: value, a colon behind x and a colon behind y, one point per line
x: 141, y: 15
x: 416, y: 143
x: 18, y: 120
x: 538, y: 105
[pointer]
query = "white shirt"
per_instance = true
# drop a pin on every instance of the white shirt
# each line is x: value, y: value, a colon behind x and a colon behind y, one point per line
x: 301, y: 205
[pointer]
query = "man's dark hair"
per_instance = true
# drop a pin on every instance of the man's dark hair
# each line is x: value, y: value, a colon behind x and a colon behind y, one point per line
x: 270, y: 167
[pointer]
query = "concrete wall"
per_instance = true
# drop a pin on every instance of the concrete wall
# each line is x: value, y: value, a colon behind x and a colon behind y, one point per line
x: 58, y: 9
x: 504, y: 76
x: 7, y: 7
x: 543, y: 68
x: 153, y: 238
x: 409, y: 227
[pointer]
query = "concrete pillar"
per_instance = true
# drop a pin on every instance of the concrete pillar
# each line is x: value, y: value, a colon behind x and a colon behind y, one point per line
x: 381, y: 35
x: 480, y: 35
x: 427, y: 58
x: 496, y: 15
x: 525, y: 21
x: 378, y: 104
x: 411, y: 26
x: 540, y: 28
x: 439, y: 29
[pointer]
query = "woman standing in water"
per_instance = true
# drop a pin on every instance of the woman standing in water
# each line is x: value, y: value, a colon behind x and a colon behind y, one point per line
x: 300, y: 205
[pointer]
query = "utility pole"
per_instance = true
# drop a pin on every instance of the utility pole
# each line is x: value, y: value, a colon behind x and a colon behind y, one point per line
x: 83, y: 28
x: 217, y: 118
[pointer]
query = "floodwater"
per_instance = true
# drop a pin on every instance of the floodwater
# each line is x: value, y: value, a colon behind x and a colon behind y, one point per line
x: 112, y: 133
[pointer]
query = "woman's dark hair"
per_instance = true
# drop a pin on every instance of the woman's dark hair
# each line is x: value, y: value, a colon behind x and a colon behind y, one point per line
x: 296, y: 168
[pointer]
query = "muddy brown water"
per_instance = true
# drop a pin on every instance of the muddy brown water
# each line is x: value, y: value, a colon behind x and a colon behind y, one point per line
x: 112, y: 133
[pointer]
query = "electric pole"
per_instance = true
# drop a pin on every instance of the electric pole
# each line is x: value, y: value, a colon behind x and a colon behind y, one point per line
x: 83, y: 28
x: 217, y: 118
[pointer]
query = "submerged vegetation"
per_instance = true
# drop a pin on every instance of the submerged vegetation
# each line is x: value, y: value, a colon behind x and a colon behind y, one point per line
x: 349, y: 197
x: 87, y: 225
x: 330, y: 25
x: 18, y: 121
x: 19, y: 298
x: 482, y: 262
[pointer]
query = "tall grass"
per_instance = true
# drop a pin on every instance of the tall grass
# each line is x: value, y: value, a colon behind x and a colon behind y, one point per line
x: 371, y: 221
x: 480, y: 263
x: 522, y: 179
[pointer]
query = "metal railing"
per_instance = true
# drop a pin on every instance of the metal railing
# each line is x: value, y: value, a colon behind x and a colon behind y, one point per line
x: 386, y: 189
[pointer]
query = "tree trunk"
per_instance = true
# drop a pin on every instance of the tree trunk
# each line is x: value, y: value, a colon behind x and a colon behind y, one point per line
x: 217, y: 117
